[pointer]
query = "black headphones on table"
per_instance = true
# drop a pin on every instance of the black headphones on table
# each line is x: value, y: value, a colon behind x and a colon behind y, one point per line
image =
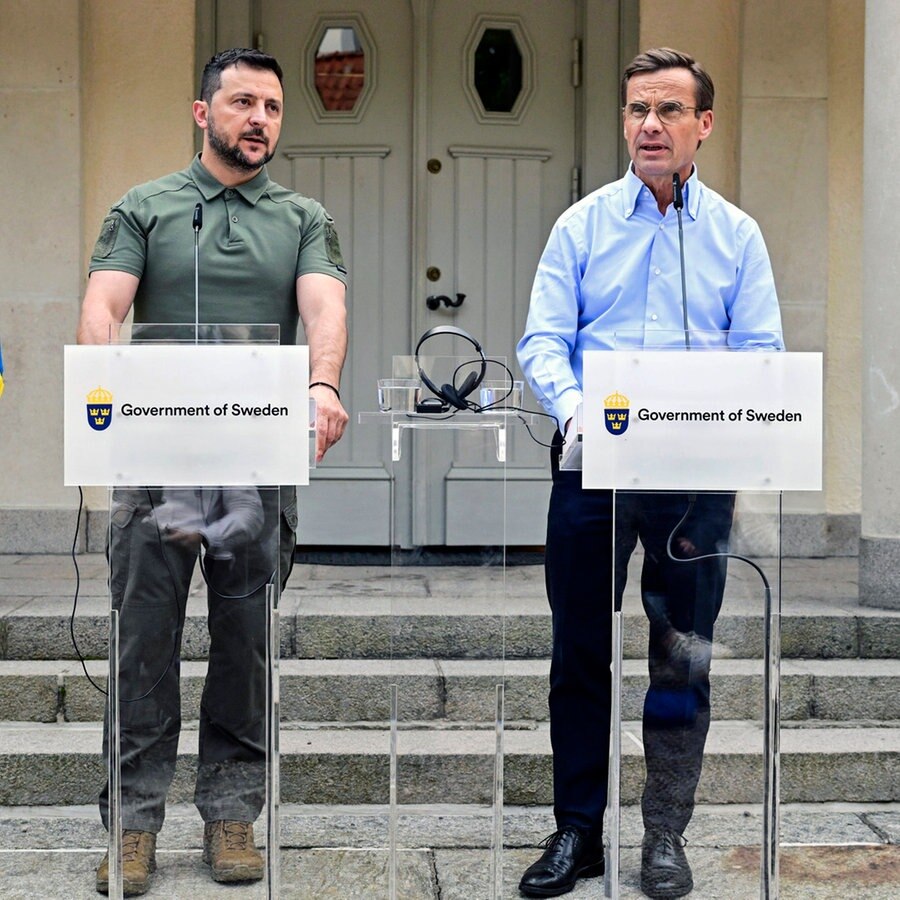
x: 448, y: 394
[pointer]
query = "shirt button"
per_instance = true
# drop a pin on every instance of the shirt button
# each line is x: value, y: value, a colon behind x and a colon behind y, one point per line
x: 229, y: 192
x: 662, y: 225
x: 654, y: 317
x: 234, y: 218
x: 657, y: 270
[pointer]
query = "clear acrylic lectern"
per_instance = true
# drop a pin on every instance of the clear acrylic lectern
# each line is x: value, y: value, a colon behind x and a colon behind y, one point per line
x: 192, y: 718
x: 448, y: 621
x: 688, y: 453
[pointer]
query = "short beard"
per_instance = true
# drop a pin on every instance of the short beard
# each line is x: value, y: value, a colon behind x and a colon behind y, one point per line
x: 231, y: 154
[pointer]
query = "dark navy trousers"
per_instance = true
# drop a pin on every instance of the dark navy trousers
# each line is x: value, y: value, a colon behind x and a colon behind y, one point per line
x: 682, y: 601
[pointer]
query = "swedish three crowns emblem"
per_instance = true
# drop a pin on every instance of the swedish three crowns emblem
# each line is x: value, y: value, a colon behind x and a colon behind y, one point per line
x: 616, y: 413
x: 99, y: 409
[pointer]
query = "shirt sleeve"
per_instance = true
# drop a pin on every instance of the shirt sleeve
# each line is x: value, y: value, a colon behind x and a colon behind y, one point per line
x: 545, y: 350
x: 122, y: 242
x: 320, y: 247
x: 755, y: 315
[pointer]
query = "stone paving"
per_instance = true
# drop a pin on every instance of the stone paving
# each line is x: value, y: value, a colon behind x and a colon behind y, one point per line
x: 829, y: 851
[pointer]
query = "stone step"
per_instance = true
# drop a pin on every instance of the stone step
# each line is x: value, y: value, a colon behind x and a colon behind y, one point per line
x: 465, y: 690
x: 59, y: 764
x: 465, y: 627
x: 444, y: 612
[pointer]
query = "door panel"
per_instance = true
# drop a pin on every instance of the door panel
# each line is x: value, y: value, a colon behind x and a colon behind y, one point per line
x: 482, y: 220
x: 358, y: 166
x: 505, y: 176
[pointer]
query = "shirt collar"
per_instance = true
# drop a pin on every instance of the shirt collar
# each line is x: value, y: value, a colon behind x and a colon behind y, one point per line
x: 634, y: 186
x: 692, y: 190
x: 211, y: 187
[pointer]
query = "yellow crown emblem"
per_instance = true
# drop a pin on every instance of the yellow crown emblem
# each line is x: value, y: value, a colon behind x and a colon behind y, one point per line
x: 99, y: 395
x: 99, y: 408
x: 616, y: 401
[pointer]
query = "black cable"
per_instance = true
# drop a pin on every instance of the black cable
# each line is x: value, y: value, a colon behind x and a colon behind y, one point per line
x: 439, y: 415
x: 200, y: 556
x: 77, y: 589
x: 203, y: 572
x: 75, y: 606
x: 165, y: 558
x: 499, y: 406
x: 720, y: 555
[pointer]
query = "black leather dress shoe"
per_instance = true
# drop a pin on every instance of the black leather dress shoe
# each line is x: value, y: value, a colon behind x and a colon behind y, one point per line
x: 571, y: 853
x: 665, y: 872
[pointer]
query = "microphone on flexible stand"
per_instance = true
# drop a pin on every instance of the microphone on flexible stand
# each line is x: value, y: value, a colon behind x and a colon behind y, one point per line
x: 678, y: 203
x: 197, y: 224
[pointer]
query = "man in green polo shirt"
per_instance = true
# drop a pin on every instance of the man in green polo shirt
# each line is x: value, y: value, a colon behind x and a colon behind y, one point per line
x: 267, y: 256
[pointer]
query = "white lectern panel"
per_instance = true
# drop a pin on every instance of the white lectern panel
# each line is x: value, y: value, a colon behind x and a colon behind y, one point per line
x: 186, y: 415
x: 706, y: 421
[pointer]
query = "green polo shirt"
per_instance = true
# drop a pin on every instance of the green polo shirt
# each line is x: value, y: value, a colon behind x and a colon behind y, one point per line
x: 257, y: 239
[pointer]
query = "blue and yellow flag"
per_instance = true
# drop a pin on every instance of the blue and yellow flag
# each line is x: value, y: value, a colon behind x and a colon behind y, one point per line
x: 1, y: 371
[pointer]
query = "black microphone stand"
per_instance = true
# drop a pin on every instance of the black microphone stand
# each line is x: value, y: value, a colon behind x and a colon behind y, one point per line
x: 678, y: 203
x: 198, y: 224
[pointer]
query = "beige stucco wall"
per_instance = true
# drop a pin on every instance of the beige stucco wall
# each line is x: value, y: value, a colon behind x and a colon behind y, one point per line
x: 787, y: 147
x: 784, y: 154
x: 39, y: 230
x: 784, y: 164
x: 880, y: 561
x: 709, y: 30
x: 94, y: 97
x: 139, y: 75
x: 843, y: 360
x: 138, y: 85
x: 801, y: 165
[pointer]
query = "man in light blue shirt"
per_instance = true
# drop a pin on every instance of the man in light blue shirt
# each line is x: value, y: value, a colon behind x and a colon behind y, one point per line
x: 610, y: 277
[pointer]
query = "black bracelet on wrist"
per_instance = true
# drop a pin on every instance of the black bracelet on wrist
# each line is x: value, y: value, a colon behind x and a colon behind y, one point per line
x: 329, y: 386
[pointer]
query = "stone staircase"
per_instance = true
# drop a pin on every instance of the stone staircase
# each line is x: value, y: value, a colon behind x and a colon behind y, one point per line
x: 445, y: 628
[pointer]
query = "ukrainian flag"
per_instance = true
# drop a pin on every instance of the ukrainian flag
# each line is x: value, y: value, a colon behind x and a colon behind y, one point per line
x: 1, y: 371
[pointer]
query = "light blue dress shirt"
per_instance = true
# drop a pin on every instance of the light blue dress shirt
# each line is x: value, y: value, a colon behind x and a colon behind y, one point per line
x: 610, y: 278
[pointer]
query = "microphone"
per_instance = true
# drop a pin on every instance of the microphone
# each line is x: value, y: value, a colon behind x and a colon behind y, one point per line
x: 197, y: 225
x: 678, y: 203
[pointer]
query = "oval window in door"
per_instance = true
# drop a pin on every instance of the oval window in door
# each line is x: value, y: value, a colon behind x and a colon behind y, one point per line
x: 499, y: 69
x: 338, y: 75
x: 340, y: 69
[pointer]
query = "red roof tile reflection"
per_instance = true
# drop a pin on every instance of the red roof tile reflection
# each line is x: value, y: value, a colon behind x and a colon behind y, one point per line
x: 340, y: 78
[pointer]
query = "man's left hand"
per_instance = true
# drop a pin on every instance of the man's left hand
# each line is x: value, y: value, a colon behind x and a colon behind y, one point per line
x: 331, y: 419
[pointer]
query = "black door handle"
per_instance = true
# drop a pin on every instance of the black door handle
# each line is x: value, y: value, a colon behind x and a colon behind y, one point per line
x: 435, y: 300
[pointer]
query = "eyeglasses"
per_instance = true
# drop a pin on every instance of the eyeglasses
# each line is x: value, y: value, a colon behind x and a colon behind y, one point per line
x: 669, y: 112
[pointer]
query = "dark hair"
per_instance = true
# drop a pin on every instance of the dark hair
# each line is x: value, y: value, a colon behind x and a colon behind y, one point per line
x: 212, y: 71
x: 666, y: 58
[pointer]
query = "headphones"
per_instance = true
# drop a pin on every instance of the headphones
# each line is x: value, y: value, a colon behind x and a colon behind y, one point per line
x: 449, y: 394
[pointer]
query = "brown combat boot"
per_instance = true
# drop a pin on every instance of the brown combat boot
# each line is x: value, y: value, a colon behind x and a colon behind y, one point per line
x: 229, y: 849
x: 138, y: 864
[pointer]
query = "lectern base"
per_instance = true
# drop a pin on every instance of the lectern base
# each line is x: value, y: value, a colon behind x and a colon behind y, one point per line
x: 698, y: 722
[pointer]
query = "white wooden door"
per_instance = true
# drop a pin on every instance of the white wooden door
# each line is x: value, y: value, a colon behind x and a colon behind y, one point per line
x: 440, y: 183
x: 500, y: 147
x: 347, y: 141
